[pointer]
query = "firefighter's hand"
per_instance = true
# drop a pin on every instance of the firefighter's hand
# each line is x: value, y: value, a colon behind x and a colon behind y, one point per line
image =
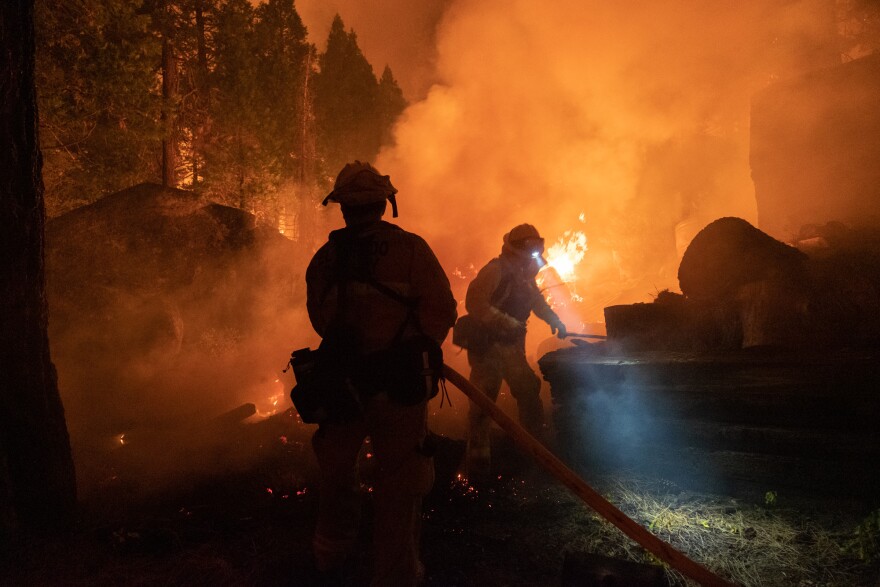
x: 508, y: 327
x: 558, y: 328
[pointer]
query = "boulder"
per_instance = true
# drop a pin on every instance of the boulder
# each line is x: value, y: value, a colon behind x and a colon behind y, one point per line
x: 156, y: 296
x: 730, y: 253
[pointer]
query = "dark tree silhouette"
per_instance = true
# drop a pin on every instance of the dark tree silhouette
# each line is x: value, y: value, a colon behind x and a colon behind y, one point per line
x: 37, y: 484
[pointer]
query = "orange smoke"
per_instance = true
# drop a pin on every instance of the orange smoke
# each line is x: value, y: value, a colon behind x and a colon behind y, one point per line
x: 632, y: 116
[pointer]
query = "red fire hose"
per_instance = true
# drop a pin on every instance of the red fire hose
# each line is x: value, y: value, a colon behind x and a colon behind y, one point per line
x: 570, y: 479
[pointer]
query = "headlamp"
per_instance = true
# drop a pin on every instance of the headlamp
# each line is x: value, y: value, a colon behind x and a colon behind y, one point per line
x: 539, y: 260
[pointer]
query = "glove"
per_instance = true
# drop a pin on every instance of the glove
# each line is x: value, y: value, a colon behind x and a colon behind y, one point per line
x: 507, y: 328
x: 558, y: 328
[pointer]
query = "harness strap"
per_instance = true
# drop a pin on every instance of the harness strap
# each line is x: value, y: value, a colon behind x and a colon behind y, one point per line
x: 345, y: 240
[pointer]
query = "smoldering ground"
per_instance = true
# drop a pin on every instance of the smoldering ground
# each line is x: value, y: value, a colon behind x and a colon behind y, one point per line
x: 167, y: 311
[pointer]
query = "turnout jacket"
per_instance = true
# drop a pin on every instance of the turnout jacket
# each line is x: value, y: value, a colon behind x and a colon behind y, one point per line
x: 503, y: 295
x: 346, y: 278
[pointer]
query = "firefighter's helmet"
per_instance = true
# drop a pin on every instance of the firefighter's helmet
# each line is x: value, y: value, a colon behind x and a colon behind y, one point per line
x: 526, y: 243
x: 360, y: 183
x: 524, y: 236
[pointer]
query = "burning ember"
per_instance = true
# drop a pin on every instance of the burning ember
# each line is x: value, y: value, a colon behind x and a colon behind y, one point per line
x: 270, y: 405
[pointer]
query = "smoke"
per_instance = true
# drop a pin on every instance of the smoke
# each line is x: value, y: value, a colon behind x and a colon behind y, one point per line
x: 166, y: 312
x: 633, y: 115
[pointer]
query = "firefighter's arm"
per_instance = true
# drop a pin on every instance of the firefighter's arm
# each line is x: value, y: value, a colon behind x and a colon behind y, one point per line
x: 543, y: 311
x: 437, y: 309
x: 478, y: 302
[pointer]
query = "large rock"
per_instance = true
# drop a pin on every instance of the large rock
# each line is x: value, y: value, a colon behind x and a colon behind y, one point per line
x: 156, y: 299
x: 730, y: 253
x: 743, y: 288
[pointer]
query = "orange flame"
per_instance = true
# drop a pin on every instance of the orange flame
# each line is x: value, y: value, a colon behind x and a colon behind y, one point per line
x: 559, y: 276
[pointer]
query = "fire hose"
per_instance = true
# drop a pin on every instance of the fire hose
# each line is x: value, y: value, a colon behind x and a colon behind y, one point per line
x: 551, y: 463
x: 579, y: 335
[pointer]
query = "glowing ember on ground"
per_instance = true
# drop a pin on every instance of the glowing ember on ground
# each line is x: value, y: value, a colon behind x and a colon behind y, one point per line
x: 270, y: 406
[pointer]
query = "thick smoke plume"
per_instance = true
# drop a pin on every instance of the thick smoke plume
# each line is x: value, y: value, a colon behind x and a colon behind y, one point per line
x: 627, y: 121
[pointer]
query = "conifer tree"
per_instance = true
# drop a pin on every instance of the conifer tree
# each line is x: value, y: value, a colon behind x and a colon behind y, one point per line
x: 99, y: 108
x: 391, y: 104
x: 282, y: 51
x: 232, y: 162
x: 346, y: 102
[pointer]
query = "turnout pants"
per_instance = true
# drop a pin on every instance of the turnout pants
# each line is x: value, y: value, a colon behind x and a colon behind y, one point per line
x: 403, y: 476
x: 505, y: 362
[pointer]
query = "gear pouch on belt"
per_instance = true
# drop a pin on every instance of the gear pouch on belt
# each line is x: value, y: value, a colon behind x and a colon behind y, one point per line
x: 469, y: 333
x: 323, y: 392
x: 410, y: 371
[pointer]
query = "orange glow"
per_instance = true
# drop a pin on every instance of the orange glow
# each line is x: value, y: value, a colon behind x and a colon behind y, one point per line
x: 632, y: 117
x: 269, y: 405
x: 566, y: 254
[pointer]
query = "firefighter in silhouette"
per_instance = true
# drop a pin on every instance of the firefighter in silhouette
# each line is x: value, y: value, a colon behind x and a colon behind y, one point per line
x: 501, y: 298
x: 374, y: 286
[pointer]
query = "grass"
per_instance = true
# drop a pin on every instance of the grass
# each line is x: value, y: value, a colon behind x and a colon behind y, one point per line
x: 230, y: 529
x: 804, y: 544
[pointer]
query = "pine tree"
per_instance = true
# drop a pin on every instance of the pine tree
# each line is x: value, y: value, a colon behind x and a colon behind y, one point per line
x: 391, y: 104
x: 346, y: 102
x: 232, y: 158
x: 282, y: 52
x: 99, y: 108
x: 258, y: 115
x: 196, y: 25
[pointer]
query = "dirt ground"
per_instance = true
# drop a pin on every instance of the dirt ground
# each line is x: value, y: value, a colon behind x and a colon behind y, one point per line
x: 251, y: 525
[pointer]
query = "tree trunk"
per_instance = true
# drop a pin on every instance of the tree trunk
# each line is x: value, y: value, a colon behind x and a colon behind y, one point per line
x: 37, y: 482
x: 201, y: 99
x: 169, y: 106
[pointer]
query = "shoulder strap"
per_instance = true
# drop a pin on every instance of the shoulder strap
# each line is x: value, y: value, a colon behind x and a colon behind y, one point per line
x: 344, y: 239
x: 502, y: 291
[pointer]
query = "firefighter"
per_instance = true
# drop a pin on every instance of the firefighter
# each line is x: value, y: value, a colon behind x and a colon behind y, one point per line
x: 501, y: 298
x: 387, y: 268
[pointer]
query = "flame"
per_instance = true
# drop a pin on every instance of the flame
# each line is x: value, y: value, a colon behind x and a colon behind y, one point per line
x: 268, y: 406
x: 566, y: 253
x: 559, y: 275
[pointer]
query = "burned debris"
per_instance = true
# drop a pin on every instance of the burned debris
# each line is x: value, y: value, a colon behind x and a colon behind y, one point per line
x: 163, y: 305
